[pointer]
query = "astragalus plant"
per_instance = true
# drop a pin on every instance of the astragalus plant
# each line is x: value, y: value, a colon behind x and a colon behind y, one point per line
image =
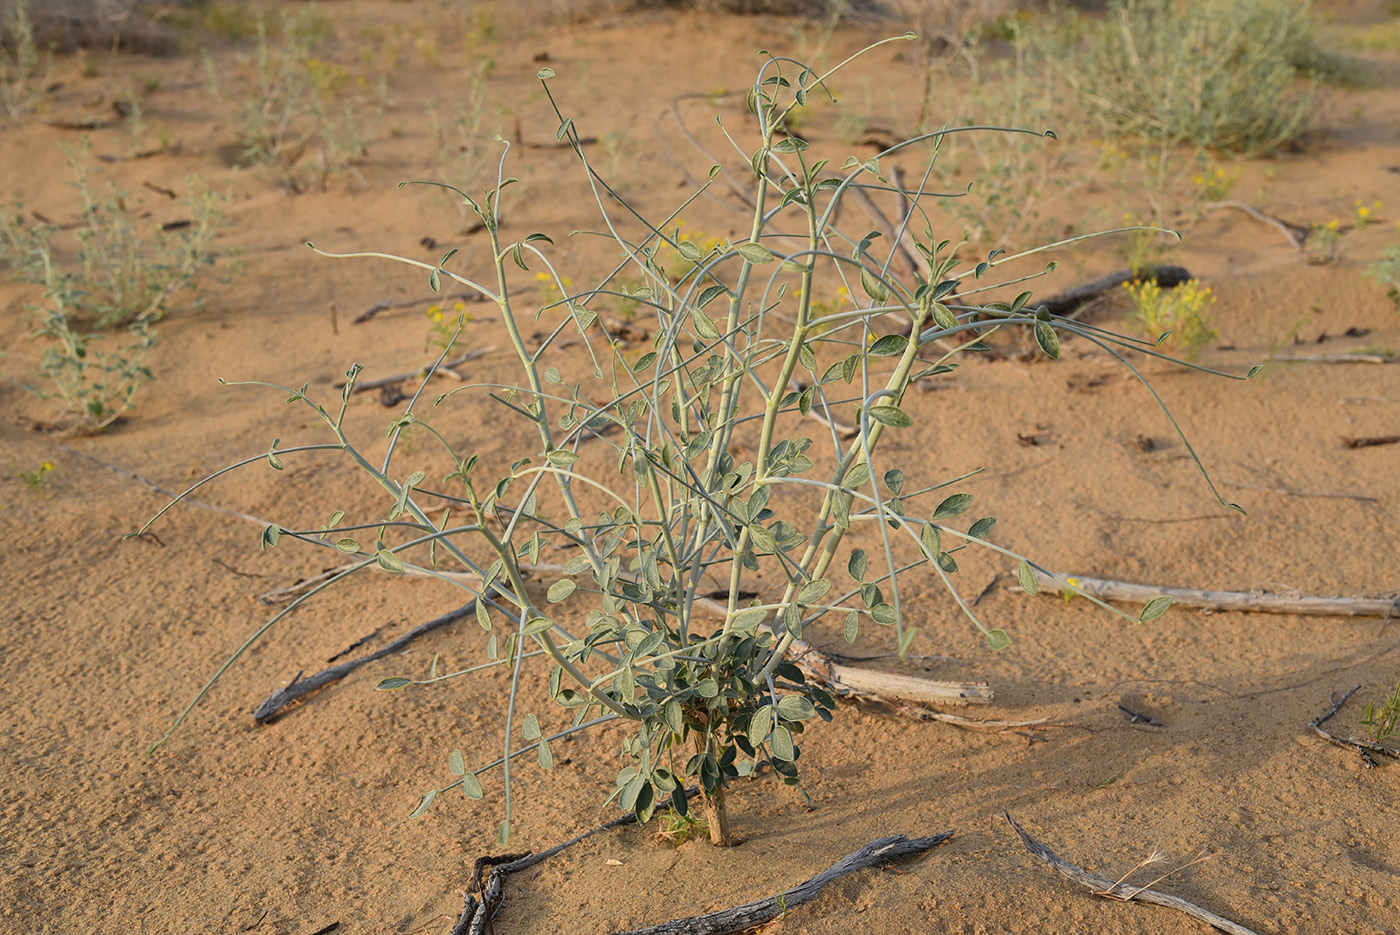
x: 739, y: 454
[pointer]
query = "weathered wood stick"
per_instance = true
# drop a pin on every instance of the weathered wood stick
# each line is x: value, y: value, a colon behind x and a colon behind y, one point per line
x: 1254, y: 601
x: 362, y: 385
x: 751, y: 915
x: 1110, y: 890
x: 1069, y: 300
x: 1296, y: 234
x: 386, y: 305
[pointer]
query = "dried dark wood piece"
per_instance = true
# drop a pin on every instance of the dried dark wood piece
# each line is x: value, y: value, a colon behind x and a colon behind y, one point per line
x: 1371, y: 441
x: 297, y: 687
x: 1136, y: 718
x: 1362, y: 747
x: 1108, y: 889
x: 386, y: 305
x: 1066, y: 302
x: 765, y: 910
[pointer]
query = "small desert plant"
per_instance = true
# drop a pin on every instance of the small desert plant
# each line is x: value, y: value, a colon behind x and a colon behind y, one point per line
x: 34, y: 479
x: 1179, y: 317
x: 93, y: 387
x: 1211, y: 73
x: 124, y: 271
x: 298, y: 101
x: 1326, y: 241
x: 1386, y: 271
x: 21, y: 86
x: 1382, y: 722
x: 679, y: 477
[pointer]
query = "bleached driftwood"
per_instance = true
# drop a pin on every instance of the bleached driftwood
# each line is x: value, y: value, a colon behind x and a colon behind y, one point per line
x: 1251, y: 601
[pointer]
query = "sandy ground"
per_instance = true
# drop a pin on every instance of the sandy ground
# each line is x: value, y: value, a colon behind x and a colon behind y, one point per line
x: 292, y: 827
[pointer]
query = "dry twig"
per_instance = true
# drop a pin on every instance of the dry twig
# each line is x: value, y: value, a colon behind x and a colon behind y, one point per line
x: 1106, y: 888
x: 1362, y: 747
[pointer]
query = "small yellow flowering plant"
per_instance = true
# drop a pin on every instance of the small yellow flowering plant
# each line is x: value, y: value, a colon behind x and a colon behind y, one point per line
x: 1181, y: 316
x: 446, y: 323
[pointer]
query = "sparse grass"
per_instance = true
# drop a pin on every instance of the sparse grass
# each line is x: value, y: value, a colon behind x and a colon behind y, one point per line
x: 1382, y: 722
x: 1222, y: 74
x: 1386, y: 272
x: 21, y: 83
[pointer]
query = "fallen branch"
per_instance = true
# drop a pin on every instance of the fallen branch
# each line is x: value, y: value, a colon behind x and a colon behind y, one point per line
x: 1296, y: 234
x: 1362, y: 747
x: 362, y: 385
x: 483, y: 899
x: 757, y: 913
x: 1361, y: 358
x: 1069, y: 300
x: 1108, y: 889
x: 1371, y: 441
x: 1250, y: 601
x: 298, y: 687
x: 386, y: 305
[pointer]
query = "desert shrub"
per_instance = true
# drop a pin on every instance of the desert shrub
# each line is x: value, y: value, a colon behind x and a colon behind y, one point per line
x: 1223, y: 74
x: 120, y: 276
x: 21, y: 85
x: 300, y: 101
x: 1386, y: 272
x: 675, y: 478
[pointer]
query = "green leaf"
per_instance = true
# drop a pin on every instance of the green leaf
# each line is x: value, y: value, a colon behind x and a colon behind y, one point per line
x: 998, y: 640
x: 456, y: 763
x: 472, y: 786
x: 689, y: 251
x: 483, y: 616
x: 982, y: 527
x: 348, y: 545
x: 907, y: 640
x: 530, y: 729
x: 393, y: 683
x: 947, y: 563
x: 708, y: 296
x: 852, y: 629
x: 561, y: 457
x: 944, y: 316
x: 857, y: 564
x: 790, y: 144
x: 857, y: 476
x: 795, y: 708
x: 894, y: 480
x: 747, y: 621
x: 1026, y: 575
x: 389, y: 561
x: 560, y: 590
x: 424, y: 804
x: 932, y: 538
x: 884, y: 613
x: 889, y: 345
x: 814, y: 591
x: 781, y: 745
x: 755, y: 253
x: 545, y: 73
x: 760, y: 725
x: 537, y: 625
x: 1155, y: 608
x: 704, y: 326
x: 270, y: 536
x: 1048, y: 340
x: 762, y: 538
x: 546, y: 755
x: 957, y: 503
x: 892, y: 416
x: 872, y: 285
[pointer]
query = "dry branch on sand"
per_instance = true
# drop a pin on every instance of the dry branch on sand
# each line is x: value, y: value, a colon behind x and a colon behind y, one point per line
x: 1364, y: 748
x: 1120, y: 890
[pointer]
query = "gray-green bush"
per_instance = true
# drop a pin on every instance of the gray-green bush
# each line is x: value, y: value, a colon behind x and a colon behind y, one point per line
x: 673, y: 481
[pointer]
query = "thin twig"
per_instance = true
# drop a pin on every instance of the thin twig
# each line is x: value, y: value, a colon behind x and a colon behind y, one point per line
x: 1295, y: 234
x: 1290, y: 492
x: 362, y: 385
x: 386, y: 305
x: 159, y: 489
x: 1106, y: 888
x: 1362, y: 747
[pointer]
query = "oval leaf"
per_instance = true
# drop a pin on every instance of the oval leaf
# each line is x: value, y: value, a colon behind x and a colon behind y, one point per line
x: 560, y: 590
x: 892, y: 416
x: 1026, y: 575
x: 1155, y: 608
x: 755, y: 253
